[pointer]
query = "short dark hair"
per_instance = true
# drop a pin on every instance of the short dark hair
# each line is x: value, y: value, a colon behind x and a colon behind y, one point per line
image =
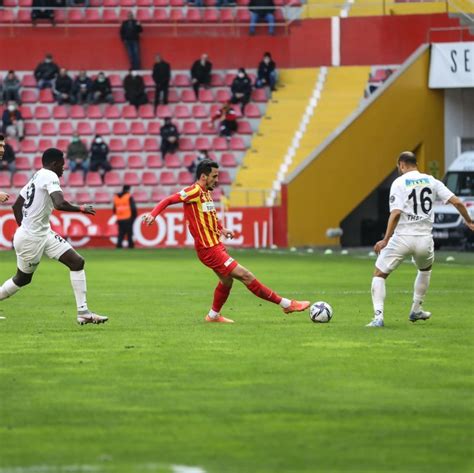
x: 407, y: 157
x: 52, y: 155
x: 205, y: 167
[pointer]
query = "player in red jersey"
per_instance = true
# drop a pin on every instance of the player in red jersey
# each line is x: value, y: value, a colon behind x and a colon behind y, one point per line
x: 201, y: 216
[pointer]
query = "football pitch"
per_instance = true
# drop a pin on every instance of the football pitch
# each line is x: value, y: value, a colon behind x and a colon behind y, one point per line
x: 156, y: 390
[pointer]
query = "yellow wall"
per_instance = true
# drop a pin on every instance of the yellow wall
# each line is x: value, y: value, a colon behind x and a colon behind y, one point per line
x: 406, y: 116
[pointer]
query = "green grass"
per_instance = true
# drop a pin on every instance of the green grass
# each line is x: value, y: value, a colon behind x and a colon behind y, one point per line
x: 157, y: 387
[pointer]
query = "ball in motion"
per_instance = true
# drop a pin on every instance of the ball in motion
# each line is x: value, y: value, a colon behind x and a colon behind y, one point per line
x: 320, y: 312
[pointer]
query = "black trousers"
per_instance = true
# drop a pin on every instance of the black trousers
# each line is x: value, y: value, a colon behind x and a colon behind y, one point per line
x: 161, y: 89
x: 125, y: 229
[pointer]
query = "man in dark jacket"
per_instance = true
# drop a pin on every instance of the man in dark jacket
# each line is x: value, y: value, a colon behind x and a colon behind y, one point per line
x: 45, y: 72
x: 82, y: 88
x: 169, y: 137
x: 62, y: 89
x: 99, y: 156
x: 130, y: 35
x: 11, y: 88
x: 201, y: 73
x: 262, y: 10
x: 125, y: 210
x: 161, y: 77
x: 42, y: 10
x: 8, y: 161
x: 241, y: 89
x: 266, y: 75
x: 134, y: 86
x: 77, y: 155
x: 102, y: 90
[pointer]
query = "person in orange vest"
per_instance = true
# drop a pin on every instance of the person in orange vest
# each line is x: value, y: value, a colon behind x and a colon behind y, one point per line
x: 126, y: 212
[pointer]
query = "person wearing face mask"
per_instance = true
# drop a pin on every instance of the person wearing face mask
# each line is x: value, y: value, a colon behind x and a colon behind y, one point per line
x: 77, y: 155
x: 99, y: 156
x: 169, y: 137
x: 82, y: 88
x: 13, y: 124
x: 202, y: 155
x: 11, y: 88
x: 228, y: 118
x: 130, y: 35
x: 102, y: 90
x: 201, y: 73
x: 262, y: 10
x: 266, y: 75
x: 241, y: 89
x: 63, y: 87
x: 46, y: 72
x: 134, y: 86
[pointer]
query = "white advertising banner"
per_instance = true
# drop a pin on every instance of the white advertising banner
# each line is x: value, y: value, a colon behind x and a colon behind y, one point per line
x: 452, y: 65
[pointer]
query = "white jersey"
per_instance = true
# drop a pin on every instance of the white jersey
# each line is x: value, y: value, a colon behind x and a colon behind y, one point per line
x: 414, y: 194
x: 38, y: 203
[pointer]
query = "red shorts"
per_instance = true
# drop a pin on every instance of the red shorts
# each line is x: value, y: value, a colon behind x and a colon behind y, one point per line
x: 217, y: 259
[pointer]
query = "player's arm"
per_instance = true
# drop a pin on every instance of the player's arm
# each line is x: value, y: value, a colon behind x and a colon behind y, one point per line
x: 172, y: 199
x: 225, y: 231
x: 461, y: 208
x: 17, y: 209
x: 3, y: 197
x: 391, y: 226
x: 60, y: 203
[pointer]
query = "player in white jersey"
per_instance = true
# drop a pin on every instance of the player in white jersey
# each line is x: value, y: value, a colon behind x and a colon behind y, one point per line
x: 34, y: 237
x: 3, y: 195
x: 409, y: 233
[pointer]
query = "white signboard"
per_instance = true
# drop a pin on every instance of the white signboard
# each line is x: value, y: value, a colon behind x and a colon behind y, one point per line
x: 452, y: 65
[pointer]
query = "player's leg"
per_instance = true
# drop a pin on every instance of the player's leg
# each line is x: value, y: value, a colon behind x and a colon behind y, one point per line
x: 378, y: 292
x: 121, y: 233
x: 13, y: 285
x: 260, y: 290
x: 423, y: 257
x: 221, y: 294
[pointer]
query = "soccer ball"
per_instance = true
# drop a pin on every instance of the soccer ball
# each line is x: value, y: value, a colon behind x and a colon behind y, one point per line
x: 320, y: 312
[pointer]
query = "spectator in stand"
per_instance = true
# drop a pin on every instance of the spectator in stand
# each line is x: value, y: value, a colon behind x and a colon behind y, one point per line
x: 201, y: 73
x: 99, y: 156
x: 262, y: 10
x: 130, y: 35
x: 161, y: 76
x: 203, y: 154
x: 77, y: 154
x: 63, y: 88
x: 82, y: 89
x: 11, y: 88
x: 102, y: 90
x: 125, y: 211
x: 266, y: 75
x: 46, y: 72
x: 169, y: 137
x: 41, y: 10
x: 13, y: 124
x: 8, y: 161
x: 241, y: 89
x: 134, y: 86
x: 228, y: 120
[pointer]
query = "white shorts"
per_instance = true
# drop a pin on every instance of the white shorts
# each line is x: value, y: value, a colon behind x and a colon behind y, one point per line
x: 29, y: 249
x: 420, y: 247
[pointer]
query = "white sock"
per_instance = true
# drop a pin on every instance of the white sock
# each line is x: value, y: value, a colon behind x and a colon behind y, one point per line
x: 8, y: 289
x: 422, y: 283
x: 78, y: 283
x: 213, y: 314
x: 285, y: 303
x: 378, y: 296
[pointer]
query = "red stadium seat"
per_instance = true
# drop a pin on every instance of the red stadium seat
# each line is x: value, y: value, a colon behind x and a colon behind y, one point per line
x: 115, y: 80
x: 119, y: 96
x: 193, y: 15
x: 24, y: 16
x: 228, y: 160
x: 22, y: 163
x: 227, y: 15
x: 146, y: 111
x: 141, y: 197
x: 20, y: 179
x: 137, y: 128
x: 173, y: 96
x: 219, y: 144
x: 5, y: 180
x: 44, y: 144
x: 211, y: 15
x: 186, y: 144
x: 31, y: 129
x: 117, y: 162
x: 42, y: 113
x: 110, y: 16
x: 237, y: 144
x: 151, y: 144
x: 77, y: 112
x: 206, y: 96
x: 120, y: 128
x: 168, y: 178
x: 185, y: 178
x: 93, y: 179
x: 92, y: 15
x: 199, y: 111
x: 224, y: 178
x: 29, y: 96
x: 181, y: 80
x: 127, y: 3
x: 60, y: 112
x: 242, y: 16
x: 229, y: 78
x: 149, y: 178
x: 208, y: 128
x: 133, y: 144
x: 182, y: 111
x: 148, y: 80
x: 160, y: 3
x: 259, y: 95
x: 153, y: 128
x: 176, y: 3
x: 223, y: 96
x: 144, y: 3
x: 76, y: 179
x: 110, y: 3
x: 176, y: 16
x: 117, y: 145
x: 102, y: 197
x: 160, y: 15
x: 112, y: 178
x: 62, y: 144
x: 84, y: 128
x: 26, y: 112
x: 244, y: 128
x: 217, y: 80
x: 131, y: 179
x: 252, y: 111
x: 188, y: 96
x: 190, y: 128
x: 102, y: 128
x: 28, y: 80
x: 202, y: 143
x: 49, y: 129
x: 164, y: 111
x: 135, y: 162
x: 94, y: 111
x: 46, y: 96
x: 153, y: 161
x: 83, y: 197
x: 75, y: 15
x: 128, y: 111
x: 172, y: 161
x: 65, y: 128
x: 157, y: 195
x: 112, y: 111
x: 7, y: 16
x: 37, y: 164
x: 188, y: 160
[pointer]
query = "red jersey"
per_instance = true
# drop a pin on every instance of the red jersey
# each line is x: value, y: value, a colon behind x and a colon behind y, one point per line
x: 201, y: 216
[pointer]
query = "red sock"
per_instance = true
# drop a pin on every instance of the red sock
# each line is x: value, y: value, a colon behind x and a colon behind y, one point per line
x: 263, y: 292
x: 221, y: 294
